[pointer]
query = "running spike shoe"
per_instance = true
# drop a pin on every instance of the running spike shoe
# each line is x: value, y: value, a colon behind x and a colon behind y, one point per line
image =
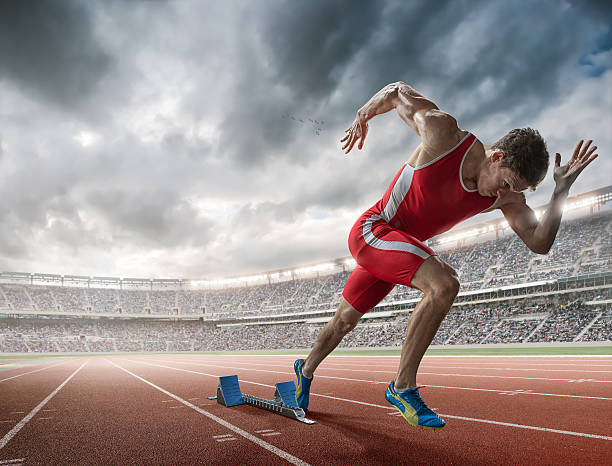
x: 302, y: 388
x: 413, y: 408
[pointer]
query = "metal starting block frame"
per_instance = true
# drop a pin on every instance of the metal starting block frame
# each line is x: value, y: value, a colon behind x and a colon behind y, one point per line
x: 229, y: 394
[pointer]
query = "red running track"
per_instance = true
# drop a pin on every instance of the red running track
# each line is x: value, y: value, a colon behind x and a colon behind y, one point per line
x: 153, y: 410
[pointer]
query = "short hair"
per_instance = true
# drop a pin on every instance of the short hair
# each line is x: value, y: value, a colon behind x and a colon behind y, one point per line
x: 525, y: 153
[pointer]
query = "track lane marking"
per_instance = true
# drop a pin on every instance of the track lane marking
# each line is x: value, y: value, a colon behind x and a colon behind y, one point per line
x: 271, y: 448
x: 31, y: 372
x: 32, y: 413
x: 582, y: 364
x: 372, y: 381
x: 393, y: 371
x: 486, y: 421
x: 334, y: 366
x: 425, y: 385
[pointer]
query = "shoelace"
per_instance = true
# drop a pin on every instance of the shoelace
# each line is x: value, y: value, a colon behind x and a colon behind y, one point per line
x: 418, y: 401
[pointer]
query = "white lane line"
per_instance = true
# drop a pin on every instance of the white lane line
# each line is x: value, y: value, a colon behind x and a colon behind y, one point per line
x: 398, y: 349
x: 426, y: 384
x: 15, y: 461
x: 393, y: 371
x: 222, y: 436
x: 485, y: 369
x: 521, y: 426
x: 425, y: 365
x: 32, y: 413
x: 487, y: 421
x: 263, y: 431
x: 519, y: 392
x: 31, y: 372
x: 271, y: 448
x: 517, y: 369
x: 268, y: 434
x: 488, y: 363
x: 372, y: 381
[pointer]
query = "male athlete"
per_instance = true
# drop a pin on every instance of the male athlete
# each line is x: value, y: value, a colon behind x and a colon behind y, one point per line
x: 450, y: 177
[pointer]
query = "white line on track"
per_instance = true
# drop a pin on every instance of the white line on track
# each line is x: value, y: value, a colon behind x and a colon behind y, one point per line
x: 487, y: 421
x: 14, y: 462
x: 32, y: 413
x: 31, y: 372
x: 504, y: 391
x: 371, y: 381
x: 425, y: 365
x: 488, y: 363
x: 271, y: 448
x: 337, y: 367
x: 567, y: 357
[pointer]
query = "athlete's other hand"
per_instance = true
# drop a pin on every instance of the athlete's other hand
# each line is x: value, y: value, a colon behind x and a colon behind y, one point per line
x: 356, y: 132
x: 565, y: 175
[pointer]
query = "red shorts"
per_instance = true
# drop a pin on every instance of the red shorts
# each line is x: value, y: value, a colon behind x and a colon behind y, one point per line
x: 385, y: 256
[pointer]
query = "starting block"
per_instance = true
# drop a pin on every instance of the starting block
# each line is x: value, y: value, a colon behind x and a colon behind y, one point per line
x: 229, y: 394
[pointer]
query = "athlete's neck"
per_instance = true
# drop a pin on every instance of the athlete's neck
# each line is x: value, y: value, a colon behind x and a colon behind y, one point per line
x: 474, y: 164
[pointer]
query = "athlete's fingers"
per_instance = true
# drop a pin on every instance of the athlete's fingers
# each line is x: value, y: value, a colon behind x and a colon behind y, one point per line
x: 352, y: 143
x: 364, y: 132
x: 349, y: 142
x: 588, y: 153
x: 577, y: 150
x: 584, y: 149
x: 557, y: 160
x: 590, y: 159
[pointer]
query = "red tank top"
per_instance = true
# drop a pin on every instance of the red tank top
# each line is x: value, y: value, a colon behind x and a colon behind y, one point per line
x: 432, y: 198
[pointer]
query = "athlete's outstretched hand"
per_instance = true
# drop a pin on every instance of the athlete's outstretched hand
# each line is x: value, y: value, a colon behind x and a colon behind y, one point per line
x: 358, y: 130
x: 565, y: 175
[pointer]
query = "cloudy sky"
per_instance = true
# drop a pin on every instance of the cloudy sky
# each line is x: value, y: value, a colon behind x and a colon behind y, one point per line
x: 201, y: 138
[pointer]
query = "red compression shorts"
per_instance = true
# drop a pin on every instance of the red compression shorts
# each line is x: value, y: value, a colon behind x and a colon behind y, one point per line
x: 385, y: 256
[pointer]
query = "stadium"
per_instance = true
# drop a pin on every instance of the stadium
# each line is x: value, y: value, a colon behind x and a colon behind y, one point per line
x: 204, y: 261
x: 509, y: 295
x: 513, y: 303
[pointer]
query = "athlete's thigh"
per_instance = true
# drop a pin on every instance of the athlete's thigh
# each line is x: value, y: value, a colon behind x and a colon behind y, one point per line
x: 389, y: 254
x: 363, y: 290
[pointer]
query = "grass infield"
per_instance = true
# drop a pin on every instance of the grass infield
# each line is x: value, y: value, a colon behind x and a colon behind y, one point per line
x: 484, y: 351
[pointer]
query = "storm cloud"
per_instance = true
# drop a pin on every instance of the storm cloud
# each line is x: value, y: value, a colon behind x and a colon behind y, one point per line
x: 199, y: 139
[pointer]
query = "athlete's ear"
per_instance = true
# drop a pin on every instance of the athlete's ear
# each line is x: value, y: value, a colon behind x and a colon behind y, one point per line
x: 497, y: 155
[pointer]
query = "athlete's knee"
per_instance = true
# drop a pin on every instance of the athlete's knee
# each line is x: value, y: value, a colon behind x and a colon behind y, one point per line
x: 346, y: 318
x: 446, y: 285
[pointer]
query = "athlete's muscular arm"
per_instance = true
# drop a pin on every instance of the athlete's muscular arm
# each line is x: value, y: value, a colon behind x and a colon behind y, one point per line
x: 539, y: 236
x: 420, y: 113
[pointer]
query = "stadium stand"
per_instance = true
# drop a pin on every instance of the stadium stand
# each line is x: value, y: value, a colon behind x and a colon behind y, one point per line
x: 508, y: 295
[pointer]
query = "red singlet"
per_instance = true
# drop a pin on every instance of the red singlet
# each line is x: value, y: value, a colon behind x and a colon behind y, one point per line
x: 387, y: 240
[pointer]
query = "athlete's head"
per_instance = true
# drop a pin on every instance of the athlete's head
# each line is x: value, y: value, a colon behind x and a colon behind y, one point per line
x: 518, y: 161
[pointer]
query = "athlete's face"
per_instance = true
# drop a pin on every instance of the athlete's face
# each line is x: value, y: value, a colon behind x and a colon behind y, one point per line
x: 499, y: 180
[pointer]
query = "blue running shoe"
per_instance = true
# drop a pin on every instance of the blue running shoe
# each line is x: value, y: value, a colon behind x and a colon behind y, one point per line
x: 302, y: 389
x: 413, y: 408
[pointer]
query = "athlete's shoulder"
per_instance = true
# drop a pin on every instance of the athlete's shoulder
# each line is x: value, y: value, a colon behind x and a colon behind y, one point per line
x: 447, y: 140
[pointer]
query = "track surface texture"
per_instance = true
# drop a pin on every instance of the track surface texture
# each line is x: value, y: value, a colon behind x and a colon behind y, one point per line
x: 153, y: 409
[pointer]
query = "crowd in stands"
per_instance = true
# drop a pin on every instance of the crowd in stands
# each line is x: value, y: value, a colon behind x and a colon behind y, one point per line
x: 496, y: 322
x: 582, y: 247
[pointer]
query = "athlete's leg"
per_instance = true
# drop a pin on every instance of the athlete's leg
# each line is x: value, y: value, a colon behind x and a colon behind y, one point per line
x: 343, y: 322
x: 361, y: 293
x: 438, y: 282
